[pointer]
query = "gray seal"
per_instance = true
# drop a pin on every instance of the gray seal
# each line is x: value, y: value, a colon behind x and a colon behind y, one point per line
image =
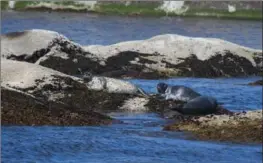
x: 201, y: 105
x: 177, y: 92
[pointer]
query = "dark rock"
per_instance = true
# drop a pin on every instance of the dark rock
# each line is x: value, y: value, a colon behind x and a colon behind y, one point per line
x: 217, y: 66
x: 59, y: 53
x: 119, y: 66
x: 54, y: 97
x: 76, y: 58
x: 56, y: 51
x: 18, y: 108
x: 256, y: 83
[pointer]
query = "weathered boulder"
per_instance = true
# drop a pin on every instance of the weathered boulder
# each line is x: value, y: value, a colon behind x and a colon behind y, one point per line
x: 158, y: 57
x: 36, y: 95
x: 47, y: 48
x: 237, y: 127
x: 175, y: 55
x: 51, y: 97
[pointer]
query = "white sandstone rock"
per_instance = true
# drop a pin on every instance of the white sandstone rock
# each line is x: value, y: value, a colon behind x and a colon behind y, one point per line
x: 23, y: 75
x: 171, y: 47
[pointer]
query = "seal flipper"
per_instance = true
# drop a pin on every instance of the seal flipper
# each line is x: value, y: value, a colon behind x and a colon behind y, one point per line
x: 143, y: 93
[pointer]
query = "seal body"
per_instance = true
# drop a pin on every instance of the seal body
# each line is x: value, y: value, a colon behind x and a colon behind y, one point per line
x: 161, y: 87
x: 177, y: 92
x: 200, y: 106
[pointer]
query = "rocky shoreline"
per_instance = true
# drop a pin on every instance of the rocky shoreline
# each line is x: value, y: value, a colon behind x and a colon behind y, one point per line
x: 256, y: 83
x: 228, y: 10
x: 236, y: 127
x: 161, y: 56
x: 39, y: 83
x: 22, y: 109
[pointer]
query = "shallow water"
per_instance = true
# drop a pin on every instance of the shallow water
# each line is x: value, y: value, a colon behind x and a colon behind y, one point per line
x: 140, y: 138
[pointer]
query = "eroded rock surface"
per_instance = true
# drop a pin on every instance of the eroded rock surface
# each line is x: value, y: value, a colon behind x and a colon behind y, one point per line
x: 52, y: 96
x: 236, y: 127
x: 55, y: 91
x: 175, y: 55
x: 256, y: 83
x: 19, y: 108
x: 47, y: 48
x: 161, y: 56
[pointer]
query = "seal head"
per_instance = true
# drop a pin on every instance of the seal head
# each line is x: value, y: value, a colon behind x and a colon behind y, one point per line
x: 161, y: 88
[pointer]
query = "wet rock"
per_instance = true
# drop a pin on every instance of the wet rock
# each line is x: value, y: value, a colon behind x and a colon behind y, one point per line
x: 166, y: 108
x: 67, y: 99
x: 236, y: 127
x: 99, y: 94
x: 18, y: 108
x: 256, y: 83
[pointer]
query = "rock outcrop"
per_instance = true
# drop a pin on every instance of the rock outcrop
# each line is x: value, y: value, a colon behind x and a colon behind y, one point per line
x: 36, y: 95
x: 177, y: 55
x: 237, y: 127
x: 158, y: 57
x: 46, y: 96
x: 47, y: 48
x: 256, y: 83
x: 37, y: 87
x: 19, y: 108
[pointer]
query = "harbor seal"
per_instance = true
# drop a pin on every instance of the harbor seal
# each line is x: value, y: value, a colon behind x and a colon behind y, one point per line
x: 201, y: 105
x: 87, y: 76
x: 177, y: 92
x: 110, y: 84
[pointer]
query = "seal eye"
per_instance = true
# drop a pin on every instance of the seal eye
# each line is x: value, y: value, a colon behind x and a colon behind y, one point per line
x: 161, y: 87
